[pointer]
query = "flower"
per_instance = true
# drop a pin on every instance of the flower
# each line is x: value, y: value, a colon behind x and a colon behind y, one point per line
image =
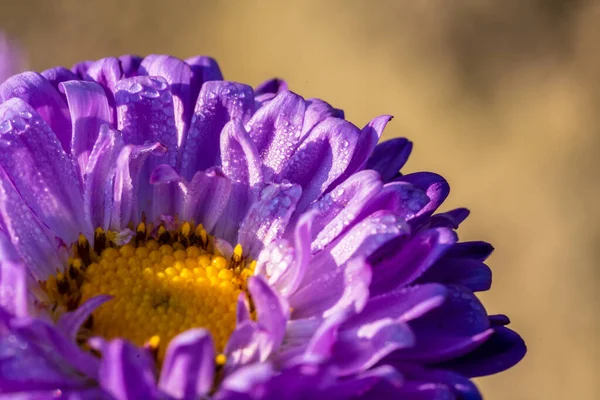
x: 168, y: 234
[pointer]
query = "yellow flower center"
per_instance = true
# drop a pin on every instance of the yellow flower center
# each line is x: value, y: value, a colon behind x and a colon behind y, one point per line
x: 161, y: 285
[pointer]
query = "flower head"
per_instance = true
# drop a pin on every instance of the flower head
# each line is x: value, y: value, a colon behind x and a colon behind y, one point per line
x: 168, y: 234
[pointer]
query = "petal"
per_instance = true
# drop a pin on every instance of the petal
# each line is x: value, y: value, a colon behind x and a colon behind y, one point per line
x: 389, y: 157
x: 145, y: 114
x: 70, y: 322
x: 451, y: 219
x: 178, y: 75
x: 40, y: 170
x: 369, y: 136
x: 479, y: 251
x: 321, y: 158
x: 36, y: 91
x: 129, y: 65
x: 106, y: 72
x: 99, y: 177
x: 451, y: 330
x: 128, y: 202
x: 402, y: 198
x: 242, y: 166
x: 276, y: 131
x: 434, y: 185
x: 355, y: 386
x: 339, y: 209
x: 13, y: 289
x: 504, y: 349
x: 218, y: 103
x: 188, y: 369
x: 248, y: 344
x: 206, y: 197
x: 346, y: 286
x: 268, y: 217
x: 394, y: 268
x: 204, y: 69
x: 126, y: 371
x: 471, y: 274
x: 89, y: 111
x: 285, y: 265
x: 58, y: 75
x: 272, y: 309
x: 316, y: 111
x: 29, y: 237
x: 274, y: 85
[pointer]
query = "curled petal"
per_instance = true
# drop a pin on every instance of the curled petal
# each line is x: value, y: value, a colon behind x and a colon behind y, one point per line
x: 434, y: 185
x: 272, y: 309
x: 389, y: 157
x: 71, y: 322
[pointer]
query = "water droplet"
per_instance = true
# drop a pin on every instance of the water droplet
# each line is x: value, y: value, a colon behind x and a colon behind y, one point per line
x: 150, y: 93
x: 26, y: 114
x: 166, y: 97
x: 159, y: 82
x: 19, y: 123
x: 5, y: 126
x: 136, y: 88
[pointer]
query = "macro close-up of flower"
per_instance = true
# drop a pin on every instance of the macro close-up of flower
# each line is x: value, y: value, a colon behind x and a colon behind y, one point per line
x: 167, y: 234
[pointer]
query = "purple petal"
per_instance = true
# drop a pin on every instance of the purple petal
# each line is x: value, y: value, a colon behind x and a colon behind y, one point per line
x: 479, y: 251
x: 346, y: 286
x: 70, y: 322
x: 471, y: 274
x: 434, y: 185
x: 389, y: 157
x: 451, y: 219
x: 393, y: 268
x: 268, y: 217
x: 321, y: 158
x: 272, y: 309
x: 455, y: 328
x: 338, y: 209
x: 178, y: 75
x: 247, y: 344
x: 204, y: 69
x: 13, y: 289
x: 188, y: 369
x: 99, y: 177
x: 143, y: 105
x: 40, y: 170
x: 356, y: 386
x: 130, y: 65
x: 274, y: 85
x: 58, y: 75
x: 126, y: 371
x: 106, y: 72
x: 402, y: 198
x: 276, y: 129
x: 241, y: 164
x: 89, y: 111
x: 36, y: 91
x: 316, y: 111
x: 242, y: 313
x: 285, y: 265
x: 218, y: 103
x: 206, y: 197
x: 128, y: 202
x: 369, y: 136
x: 501, y: 351
x: 29, y: 237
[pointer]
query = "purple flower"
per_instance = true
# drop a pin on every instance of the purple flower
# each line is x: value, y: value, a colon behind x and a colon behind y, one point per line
x: 168, y: 234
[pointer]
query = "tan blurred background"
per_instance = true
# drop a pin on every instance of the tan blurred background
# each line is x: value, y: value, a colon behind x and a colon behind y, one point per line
x: 500, y: 97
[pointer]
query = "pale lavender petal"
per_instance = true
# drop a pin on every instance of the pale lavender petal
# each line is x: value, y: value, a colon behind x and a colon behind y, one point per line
x: 178, y: 77
x: 33, y: 242
x: 70, y: 323
x: 206, y: 197
x: 40, y: 170
x: 89, y: 111
x: 389, y: 157
x: 321, y: 158
x: 268, y: 217
x: 13, y: 289
x: 99, y: 177
x: 276, y: 131
x: 188, y: 369
x: 36, y: 91
x: 338, y: 209
x: 273, y: 311
x: 242, y: 313
x: 218, y: 103
x: 241, y: 164
x: 402, y: 198
x: 126, y: 371
x: 331, y: 292
x: 316, y: 111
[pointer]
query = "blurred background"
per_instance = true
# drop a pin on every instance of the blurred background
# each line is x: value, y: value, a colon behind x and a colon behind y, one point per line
x: 500, y: 97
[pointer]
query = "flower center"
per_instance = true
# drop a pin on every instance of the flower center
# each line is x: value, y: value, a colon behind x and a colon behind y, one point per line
x: 161, y: 284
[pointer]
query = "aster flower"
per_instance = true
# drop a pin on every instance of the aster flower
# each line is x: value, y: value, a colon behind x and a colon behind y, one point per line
x: 168, y: 234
